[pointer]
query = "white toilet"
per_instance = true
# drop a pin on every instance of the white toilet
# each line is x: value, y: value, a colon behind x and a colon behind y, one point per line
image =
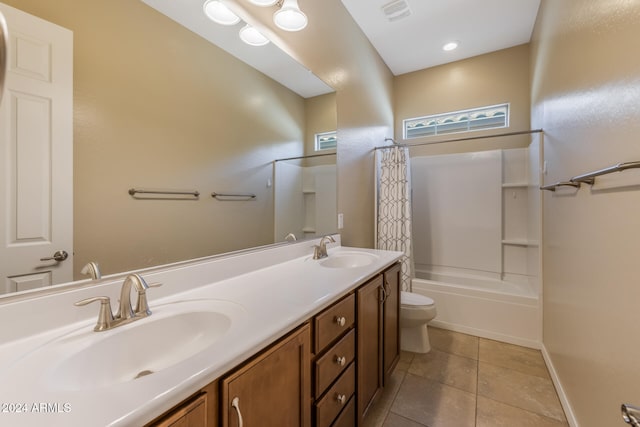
x: 415, y: 312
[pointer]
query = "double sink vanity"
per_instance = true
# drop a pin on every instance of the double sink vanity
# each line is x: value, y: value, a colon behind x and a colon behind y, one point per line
x: 269, y: 337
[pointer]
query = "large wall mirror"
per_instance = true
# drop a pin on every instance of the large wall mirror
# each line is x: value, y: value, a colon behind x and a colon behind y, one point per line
x: 155, y: 106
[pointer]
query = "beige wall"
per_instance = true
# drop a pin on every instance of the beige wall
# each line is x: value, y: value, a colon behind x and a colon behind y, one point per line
x: 586, y: 96
x: 489, y: 79
x: 157, y: 106
x: 320, y: 116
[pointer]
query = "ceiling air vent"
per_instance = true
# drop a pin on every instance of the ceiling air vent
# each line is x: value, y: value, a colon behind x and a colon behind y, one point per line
x: 396, y: 10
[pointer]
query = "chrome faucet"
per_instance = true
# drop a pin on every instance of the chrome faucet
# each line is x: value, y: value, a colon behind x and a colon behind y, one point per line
x: 126, y: 314
x: 92, y: 270
x: 320, y: 250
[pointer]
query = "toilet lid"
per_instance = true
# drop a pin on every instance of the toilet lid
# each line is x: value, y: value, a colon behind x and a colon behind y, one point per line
x: 411, y: 298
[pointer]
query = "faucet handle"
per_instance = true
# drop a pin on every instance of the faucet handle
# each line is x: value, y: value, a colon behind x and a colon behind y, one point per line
x: 105, y: 316
x: 142, y: 306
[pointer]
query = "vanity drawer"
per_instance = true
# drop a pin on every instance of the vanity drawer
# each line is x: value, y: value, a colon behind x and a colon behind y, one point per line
x: 333, y: 322
x: 336, y: 397
x: 334, y: 361
x: 347, y: 417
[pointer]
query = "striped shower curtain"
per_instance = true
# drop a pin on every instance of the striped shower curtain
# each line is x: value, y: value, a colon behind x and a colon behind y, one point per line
x: 393, y: 206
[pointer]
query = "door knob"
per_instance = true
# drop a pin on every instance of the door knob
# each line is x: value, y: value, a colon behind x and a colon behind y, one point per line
x: 57, y: 256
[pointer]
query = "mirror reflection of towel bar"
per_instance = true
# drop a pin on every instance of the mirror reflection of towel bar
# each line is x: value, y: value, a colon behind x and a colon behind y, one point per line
x: 135, y: 191
x: 553, y: 187
x: 230, y: 197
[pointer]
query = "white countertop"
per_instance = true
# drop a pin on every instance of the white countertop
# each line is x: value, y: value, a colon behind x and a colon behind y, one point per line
x: 273, y: 296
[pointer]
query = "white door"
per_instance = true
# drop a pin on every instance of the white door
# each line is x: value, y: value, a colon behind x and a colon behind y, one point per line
x: 36, y: 143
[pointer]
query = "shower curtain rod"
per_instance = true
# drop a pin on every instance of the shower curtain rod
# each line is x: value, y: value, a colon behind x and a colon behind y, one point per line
x: 470, y: 138
x: 305, y: 157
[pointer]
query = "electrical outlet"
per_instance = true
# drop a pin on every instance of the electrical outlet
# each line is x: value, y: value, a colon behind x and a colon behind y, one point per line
x: 340, y: 221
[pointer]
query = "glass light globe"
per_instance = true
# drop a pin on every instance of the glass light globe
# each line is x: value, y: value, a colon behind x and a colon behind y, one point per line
x: 220, y: 13
x: 252, y: 37
x: 290, y: 17
x: 264, y: 2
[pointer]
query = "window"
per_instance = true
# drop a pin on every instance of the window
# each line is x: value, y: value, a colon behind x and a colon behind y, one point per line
x: 491, y: 117
x: 326, y: 141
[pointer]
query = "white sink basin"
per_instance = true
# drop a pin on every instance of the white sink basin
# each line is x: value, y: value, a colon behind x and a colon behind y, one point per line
x: 350, y: 259
x: 172, y: 334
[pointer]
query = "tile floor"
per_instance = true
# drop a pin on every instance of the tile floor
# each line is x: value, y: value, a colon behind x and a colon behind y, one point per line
x: 466, y: 381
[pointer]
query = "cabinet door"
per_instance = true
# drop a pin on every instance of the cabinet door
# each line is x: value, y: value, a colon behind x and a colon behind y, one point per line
x: 274, y: 388
x: 192, y: 413
x: 369, y: 324
x: 391, y: 338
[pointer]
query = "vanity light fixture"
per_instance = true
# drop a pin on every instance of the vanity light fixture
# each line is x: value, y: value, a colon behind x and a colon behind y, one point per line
x: 264, y: 2
x: 450, y: 46
x: 253, y: 37
x: 218, y: 12
x: 290, y: 17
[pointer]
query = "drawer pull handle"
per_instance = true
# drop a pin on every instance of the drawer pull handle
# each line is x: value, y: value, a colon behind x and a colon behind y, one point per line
x: 341, y: 398
x: 341, y: 360
x: 236, y: 405
x: 341, y: 320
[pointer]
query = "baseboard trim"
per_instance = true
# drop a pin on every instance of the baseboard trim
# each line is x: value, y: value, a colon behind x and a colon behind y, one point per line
x: 566, y: 406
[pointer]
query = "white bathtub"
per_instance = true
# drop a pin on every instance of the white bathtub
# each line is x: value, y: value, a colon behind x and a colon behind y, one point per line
x: 483, y: 307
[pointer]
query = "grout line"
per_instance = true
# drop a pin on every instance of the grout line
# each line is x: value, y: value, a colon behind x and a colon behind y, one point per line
x: 526, y: 410
x: 395, y: 396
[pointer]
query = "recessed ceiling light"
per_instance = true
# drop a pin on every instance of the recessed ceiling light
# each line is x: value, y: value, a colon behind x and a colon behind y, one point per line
x: 450, y: 46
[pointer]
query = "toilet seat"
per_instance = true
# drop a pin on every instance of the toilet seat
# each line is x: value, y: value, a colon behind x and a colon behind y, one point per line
x: 413, y: 300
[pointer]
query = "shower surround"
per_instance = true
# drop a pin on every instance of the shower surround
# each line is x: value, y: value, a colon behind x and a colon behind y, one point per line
x: 476, y: 222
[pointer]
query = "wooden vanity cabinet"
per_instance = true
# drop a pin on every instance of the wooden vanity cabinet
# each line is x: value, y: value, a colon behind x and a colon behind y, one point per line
x: 378, y: 324
x: 391, y: 320
x: 334, y: 371
x: 274, y: 388
x: 199, y: 410
x: 370, y: 330
x: 326, y: 373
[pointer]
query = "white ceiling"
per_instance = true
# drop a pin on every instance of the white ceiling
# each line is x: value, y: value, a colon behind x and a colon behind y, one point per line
x: 409, y: 44
x: 415, y: 42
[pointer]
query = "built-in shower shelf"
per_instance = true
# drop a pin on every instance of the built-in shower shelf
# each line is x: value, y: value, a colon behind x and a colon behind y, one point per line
x: 520, y: 242
x: 515, y: 185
